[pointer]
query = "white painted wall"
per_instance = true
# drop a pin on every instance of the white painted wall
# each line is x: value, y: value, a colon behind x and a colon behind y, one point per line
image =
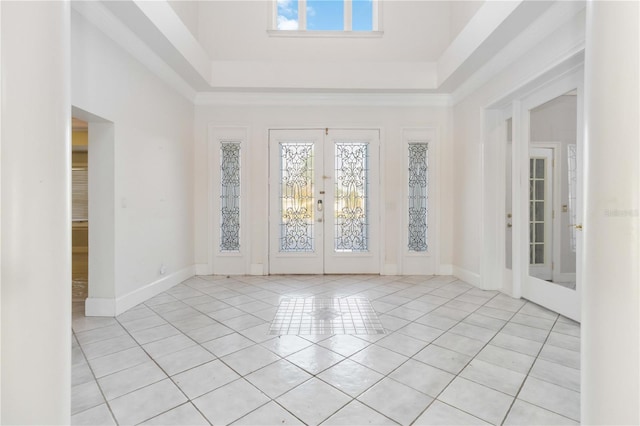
x: 468, y: 148
x: 610, y: 365
x: 245, y: 55
x: 36, y: 214
x: 153, y: 159
x: 461, y: 13
x: 414, y: 31
x: 187, y: 10
x: 258, y: 119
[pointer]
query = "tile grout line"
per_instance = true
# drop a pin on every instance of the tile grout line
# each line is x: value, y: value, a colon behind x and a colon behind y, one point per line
x: 351, y: 291
x: 528, y: 372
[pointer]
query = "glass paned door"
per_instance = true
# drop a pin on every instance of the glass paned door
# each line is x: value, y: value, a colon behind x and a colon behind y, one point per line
x: 323, y: 201
x: 540, y: 212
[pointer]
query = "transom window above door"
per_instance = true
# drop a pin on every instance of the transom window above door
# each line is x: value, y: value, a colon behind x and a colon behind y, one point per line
x: 325, y: 17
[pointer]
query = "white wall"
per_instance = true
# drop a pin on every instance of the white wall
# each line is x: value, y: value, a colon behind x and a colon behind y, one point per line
x: 610, y: 364
x: 237, y: 31
x: 152, y: 157
x: 36, y: 214
x: 461, y: 13
x: 260, y: 118
x: 187, y: 10
x: 468, y: 148
x: 245, y: 55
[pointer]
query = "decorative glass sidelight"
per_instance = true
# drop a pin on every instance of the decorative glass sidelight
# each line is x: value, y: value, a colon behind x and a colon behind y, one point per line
x: 418, y: 198
x: 351, y: 197
x: 296, y: 197
x: 537, y: 177
x: 572, y: 172
x: 230, y: 196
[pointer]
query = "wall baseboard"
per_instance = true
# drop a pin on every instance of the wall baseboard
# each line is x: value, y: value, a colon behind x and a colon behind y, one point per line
x: 100, y: 307
x: 445, y: 269
x: 467, y: 276
x: 109, y: 307
x: 203, y: 269
x: 389, y: 269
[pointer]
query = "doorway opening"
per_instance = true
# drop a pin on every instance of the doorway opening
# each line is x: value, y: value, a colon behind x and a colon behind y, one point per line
x: 324, y: 201
x: 80, y: 209
x: 96, y: 226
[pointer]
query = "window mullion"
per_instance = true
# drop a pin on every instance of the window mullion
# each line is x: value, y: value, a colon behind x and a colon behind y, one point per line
x: 302, y: 15
x: 348, y: 15
x: 375, y: 15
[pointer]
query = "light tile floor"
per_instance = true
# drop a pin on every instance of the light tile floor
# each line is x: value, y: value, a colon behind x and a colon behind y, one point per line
x: 200, y: 353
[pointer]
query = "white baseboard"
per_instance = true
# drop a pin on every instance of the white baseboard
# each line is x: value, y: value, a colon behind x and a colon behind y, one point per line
x: 467, y: 276
x: 100, y: 307
x: 445, y: 269
x: 257, y: 269
x: 389, y: 269
x: 108, y: 307
x: 203, y: 269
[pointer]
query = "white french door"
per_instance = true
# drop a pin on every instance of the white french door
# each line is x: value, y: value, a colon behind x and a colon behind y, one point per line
x: 323, y: 201
x: 541, y: 178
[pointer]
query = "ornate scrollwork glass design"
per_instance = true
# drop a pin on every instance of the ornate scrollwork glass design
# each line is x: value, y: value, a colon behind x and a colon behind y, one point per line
x: 230, y: 196
x: 418, y: 199
x: 351, y: 197
x: 296, y: 197
x: 572, y: 176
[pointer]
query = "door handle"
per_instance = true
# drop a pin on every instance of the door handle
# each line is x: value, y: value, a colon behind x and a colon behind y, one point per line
x: 319, y: 205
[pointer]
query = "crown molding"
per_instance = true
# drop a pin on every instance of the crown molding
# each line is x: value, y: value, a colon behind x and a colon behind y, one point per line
x: 323, y: 99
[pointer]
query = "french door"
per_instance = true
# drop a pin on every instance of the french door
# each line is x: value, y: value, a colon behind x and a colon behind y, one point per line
x: 323, y: 201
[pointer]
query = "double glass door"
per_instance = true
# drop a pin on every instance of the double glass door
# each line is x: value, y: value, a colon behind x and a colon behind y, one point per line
x: 323, y: 209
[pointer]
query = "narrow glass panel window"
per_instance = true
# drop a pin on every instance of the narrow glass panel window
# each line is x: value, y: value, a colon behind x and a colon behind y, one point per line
x: 287, y: 15
x: 230, y: 196
x: 325, y: 15
x: 352, y: 197
x: 418, y: 198
x: 536, y: 210
x: 572, y: 172
x: 296, y: 197
x: 362, y: 18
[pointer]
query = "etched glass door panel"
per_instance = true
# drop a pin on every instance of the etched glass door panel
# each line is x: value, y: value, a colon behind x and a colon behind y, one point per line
x: 323, y: 202
x: 296, y: 197
x: 295, y: 229
x: 351, y: 186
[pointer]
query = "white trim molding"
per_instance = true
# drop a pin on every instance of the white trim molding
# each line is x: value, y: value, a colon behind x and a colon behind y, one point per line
x: 110, y: 307
x: 322, y: 99
x: 424, y: 262
x: 228, y: 262
x: 467, y: 276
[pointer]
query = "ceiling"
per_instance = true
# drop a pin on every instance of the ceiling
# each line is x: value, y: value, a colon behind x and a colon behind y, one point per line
x: 405, y: 59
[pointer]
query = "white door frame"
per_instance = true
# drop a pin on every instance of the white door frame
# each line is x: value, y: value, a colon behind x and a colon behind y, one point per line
x: 517, y: 103
x: 553, y: 296
x: 324, y: 259
x: 549, y: 153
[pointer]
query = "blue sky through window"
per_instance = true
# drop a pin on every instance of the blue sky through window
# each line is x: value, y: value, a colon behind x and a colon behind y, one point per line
x: 362, y: 15
x: 325, y: 15
x: 287, y: 15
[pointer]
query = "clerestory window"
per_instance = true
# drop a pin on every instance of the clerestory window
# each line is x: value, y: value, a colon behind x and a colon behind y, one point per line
x: 324, y: 17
